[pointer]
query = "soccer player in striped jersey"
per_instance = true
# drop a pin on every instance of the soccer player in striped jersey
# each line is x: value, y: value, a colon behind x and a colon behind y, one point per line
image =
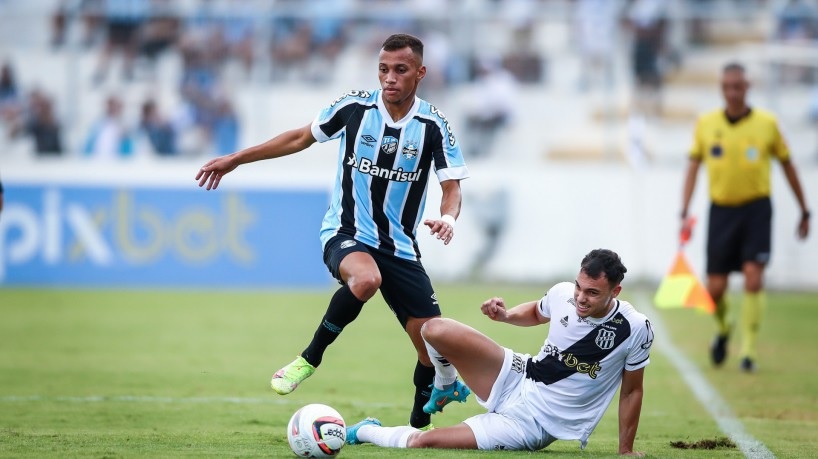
x: 596, y: 343
x: 737, y: 145
x: 390, y: 142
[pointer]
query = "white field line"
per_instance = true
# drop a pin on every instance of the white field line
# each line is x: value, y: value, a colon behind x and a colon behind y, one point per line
x: 707, y: 395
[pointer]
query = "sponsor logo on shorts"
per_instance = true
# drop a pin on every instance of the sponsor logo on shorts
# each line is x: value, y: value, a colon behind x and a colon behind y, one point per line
x: 517, y: 364
x: 347, y: 244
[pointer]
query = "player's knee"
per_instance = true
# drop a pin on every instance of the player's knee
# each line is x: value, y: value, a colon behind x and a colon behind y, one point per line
x: 364, y: 285
x: 418, y: 440
x: 753, y: 285
x: 433, y: 329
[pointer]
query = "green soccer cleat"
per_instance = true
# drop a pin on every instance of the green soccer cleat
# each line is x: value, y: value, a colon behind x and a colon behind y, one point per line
x: 352, y: 431
x: 442, y: 397
x: 429, y: 426
x: 288, y: 378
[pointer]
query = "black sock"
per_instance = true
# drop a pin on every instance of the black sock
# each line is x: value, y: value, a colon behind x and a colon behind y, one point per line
x: 424, y: 377
x: 343, y: 308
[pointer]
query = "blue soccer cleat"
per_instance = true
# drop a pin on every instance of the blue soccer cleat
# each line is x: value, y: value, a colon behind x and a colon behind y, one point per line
x: 352, y: 431
x: 442, y: 397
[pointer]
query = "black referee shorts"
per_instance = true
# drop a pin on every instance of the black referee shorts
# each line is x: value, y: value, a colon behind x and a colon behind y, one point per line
x: 405, y: 286
x: 738, y: 234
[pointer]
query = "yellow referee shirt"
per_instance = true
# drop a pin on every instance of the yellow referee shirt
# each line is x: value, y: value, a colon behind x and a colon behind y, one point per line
x: 738, y: 155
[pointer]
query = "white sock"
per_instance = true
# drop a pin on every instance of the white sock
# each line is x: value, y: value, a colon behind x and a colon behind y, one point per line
x: 445, y: 372
x: 388, y: 437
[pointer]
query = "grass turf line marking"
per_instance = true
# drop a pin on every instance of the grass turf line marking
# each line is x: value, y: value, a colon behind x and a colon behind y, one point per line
x: 703, y: 390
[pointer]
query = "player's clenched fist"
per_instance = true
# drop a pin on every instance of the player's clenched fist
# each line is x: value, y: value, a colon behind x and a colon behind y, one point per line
x: 494, y: 308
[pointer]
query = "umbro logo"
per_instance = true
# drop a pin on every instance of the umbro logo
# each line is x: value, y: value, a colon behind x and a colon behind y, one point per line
x: 564, y: 321
x: 368, y: 140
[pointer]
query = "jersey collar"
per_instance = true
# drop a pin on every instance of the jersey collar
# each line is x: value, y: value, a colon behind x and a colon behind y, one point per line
x: 736, y: 120
x: 388, y: 118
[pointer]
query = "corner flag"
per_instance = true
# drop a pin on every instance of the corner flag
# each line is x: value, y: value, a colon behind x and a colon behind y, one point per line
x: 680, y: 288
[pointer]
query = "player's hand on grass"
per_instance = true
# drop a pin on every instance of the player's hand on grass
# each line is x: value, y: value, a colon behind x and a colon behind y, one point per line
x: 213, y: 171
x: 495, y: 309
x: 443, y: 230
x: 633, y: 453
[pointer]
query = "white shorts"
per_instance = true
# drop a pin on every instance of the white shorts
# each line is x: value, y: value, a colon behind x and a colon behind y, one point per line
x: 509, y: 424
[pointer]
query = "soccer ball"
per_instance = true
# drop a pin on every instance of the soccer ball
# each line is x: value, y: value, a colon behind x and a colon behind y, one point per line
x: 316, y: 430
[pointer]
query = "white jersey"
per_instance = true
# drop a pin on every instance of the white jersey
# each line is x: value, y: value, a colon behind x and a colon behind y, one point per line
x: 579, y: 368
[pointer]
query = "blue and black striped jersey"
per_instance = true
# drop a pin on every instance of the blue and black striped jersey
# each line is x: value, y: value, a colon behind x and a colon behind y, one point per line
x: 380, y: 187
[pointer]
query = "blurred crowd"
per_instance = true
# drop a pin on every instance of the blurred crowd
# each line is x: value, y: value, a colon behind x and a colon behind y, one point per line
x: 301, y: 40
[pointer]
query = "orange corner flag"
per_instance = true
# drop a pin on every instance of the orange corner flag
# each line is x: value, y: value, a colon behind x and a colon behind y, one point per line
x: 681, y: 288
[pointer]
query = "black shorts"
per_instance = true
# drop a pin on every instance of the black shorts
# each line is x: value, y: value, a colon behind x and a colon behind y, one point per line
x: 738, y: 234
x: 405, y: 286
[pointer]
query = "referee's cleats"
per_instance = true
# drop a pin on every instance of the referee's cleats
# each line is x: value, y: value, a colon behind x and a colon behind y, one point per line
x: 352, y: 431
x: 748, y: 365
x: 442, y: 397
x: 288, y: 378
x: 718, y: 350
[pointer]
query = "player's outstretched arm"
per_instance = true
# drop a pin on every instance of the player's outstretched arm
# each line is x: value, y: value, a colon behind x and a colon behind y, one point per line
x: 630, y: 407
x: 522, y: 315
x: 443, y: 227
x: 284, y: 144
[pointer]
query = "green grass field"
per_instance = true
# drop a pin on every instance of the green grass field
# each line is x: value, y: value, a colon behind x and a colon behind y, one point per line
x: 169, y: 373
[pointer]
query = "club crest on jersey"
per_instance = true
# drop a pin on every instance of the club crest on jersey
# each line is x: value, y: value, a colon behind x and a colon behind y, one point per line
x: 564, y: 321
x: 605, y: 339
x: 389, y: 145
x: 410, y: 150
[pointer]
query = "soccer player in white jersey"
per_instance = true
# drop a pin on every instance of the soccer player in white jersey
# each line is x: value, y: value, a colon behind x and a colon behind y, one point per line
x: 390, y: 142
x: 596, y: 342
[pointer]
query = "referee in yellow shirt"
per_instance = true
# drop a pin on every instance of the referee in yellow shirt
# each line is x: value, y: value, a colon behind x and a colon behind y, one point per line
x: 737, y: 145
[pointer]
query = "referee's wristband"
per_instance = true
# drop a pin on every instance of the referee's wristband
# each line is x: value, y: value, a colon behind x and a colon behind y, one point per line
x: 448, y: 219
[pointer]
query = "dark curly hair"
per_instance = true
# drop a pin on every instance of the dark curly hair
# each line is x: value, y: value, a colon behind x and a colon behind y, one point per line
x: 604, y: 261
